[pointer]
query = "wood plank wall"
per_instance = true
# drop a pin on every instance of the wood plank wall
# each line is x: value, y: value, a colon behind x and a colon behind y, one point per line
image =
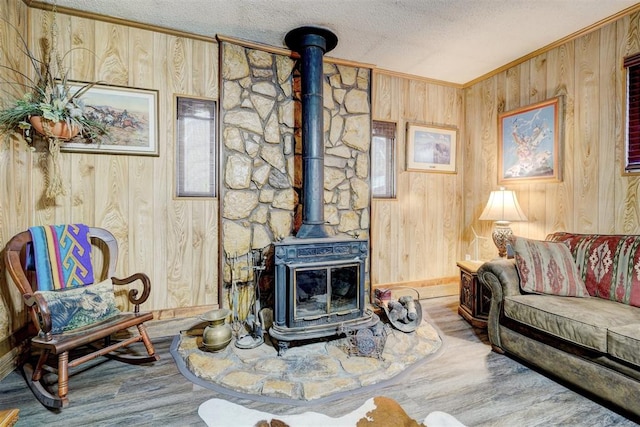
x: 415, y: 238
x: 594, y: 195
x: 174, y: 241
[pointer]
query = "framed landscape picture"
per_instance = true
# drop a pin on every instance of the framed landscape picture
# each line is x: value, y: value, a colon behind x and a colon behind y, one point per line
x: 130, y: 114
x: 431, y: 148
x: 529, y: 143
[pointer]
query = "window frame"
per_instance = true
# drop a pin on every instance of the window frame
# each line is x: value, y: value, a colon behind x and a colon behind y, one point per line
x: 632, y: 120
x: 181, y: 146
x: 390, y: 181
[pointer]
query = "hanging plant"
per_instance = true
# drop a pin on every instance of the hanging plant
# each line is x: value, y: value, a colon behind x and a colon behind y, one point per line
x: 46, y: 105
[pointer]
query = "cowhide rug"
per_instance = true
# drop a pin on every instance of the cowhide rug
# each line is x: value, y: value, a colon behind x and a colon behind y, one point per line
x: 376, y: 412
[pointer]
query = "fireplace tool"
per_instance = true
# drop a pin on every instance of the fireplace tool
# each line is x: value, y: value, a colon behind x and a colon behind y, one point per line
x: 255, y: 337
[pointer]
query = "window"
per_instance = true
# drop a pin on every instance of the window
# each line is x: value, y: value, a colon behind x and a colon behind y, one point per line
x: 196, y: 148
x: 632, y: 161
x: 383, y: 160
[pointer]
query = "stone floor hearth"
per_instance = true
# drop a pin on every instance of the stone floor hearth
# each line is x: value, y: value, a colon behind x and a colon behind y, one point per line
x: 320, y: 370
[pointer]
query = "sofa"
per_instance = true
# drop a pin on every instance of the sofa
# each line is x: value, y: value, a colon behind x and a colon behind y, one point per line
x: 570, y: 306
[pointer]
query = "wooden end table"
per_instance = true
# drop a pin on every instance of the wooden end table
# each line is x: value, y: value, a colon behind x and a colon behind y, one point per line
x: 475, y: 298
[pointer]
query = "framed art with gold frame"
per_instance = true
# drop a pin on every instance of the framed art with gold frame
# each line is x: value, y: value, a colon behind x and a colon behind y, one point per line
x: 431, y: 148
x: 529, y: 146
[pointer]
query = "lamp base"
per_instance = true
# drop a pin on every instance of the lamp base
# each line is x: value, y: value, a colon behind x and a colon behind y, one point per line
x: 501, y: 234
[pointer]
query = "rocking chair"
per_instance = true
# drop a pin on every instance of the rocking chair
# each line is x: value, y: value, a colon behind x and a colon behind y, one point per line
x: 91, y: 340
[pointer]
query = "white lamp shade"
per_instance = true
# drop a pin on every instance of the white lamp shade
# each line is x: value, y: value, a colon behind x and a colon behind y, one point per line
x: 503, y: 206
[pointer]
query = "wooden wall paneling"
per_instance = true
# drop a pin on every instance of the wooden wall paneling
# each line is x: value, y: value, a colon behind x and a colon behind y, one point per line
x: 112, y: 184
x: 435, y: 246
x: 491, y: 101
x: 162, y: 172
x: 451, y: 225
x: 83, y: 56
x: 112, y: 50
x: 586, y: 124
x: 381, y: 97
x: 82, y: 174
x: 203, y: 213
x: 415, y: 237
x: 211, y: 67
x: 198, y: 235
x: 413, y: 200
x: 174, y: 241
x: 180, y: 65
x: 381, y: 240
x: 15, y: 163
x: 179, y: 212
x: 570, y: 179
x: 141, y: 59
x: 420, y: 229
x: 43, y: 212
x: 469, y: 146
x: 197, y: 68
x: 141, y: 168
x: 536, y: 215
x: 210, y: 261
x: 15, y: 158
x: 560, y: 83
x: 608, y: 173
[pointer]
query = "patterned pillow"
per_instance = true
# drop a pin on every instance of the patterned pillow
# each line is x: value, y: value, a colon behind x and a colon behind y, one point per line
x: 547, y: 268
x: 77, y: 307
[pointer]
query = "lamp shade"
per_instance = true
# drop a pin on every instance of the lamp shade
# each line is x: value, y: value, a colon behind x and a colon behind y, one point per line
x: 503, y: 206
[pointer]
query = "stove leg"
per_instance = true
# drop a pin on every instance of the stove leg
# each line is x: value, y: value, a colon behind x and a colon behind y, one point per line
x: 282, y: 347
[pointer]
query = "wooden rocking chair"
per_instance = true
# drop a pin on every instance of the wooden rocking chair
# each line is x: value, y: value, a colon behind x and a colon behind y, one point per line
x: 94, y: 339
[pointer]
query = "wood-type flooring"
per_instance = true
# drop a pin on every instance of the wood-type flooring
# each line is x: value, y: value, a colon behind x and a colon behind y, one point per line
x: 467, y: 380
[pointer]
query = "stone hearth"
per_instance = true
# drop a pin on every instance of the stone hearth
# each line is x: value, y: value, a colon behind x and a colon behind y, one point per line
x: 304, y: 373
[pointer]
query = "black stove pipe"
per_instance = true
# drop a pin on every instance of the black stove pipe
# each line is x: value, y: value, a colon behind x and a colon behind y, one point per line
x: 312, y: 43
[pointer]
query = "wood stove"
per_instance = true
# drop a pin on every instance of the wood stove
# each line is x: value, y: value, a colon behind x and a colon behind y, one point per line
x: 319, y: 279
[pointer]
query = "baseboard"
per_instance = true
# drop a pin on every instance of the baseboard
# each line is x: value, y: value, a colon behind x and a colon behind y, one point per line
x: 182, y: 312
x: 431, y: 288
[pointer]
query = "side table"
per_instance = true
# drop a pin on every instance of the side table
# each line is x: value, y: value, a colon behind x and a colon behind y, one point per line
x: 475, y: 298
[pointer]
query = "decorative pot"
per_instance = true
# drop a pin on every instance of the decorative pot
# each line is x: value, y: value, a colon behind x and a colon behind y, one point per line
x: 48, y: 128
x: 217, y: 335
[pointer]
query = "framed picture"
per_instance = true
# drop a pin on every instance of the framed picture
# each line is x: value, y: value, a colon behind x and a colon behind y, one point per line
x: 431, y: 148
x: 529, y: 143
x: 130, y: 114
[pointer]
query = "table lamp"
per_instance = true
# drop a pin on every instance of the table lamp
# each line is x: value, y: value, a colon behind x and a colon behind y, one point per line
x: 503, y: 208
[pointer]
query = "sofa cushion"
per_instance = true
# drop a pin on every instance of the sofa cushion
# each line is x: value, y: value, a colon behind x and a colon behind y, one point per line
x: 582, y: 321
x: 608, y: 264
x: 623, y: 342
x: 547, y: 268
x: 78, y: 307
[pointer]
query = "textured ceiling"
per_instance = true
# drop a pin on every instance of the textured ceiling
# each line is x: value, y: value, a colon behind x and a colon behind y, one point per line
x: 451, y: 40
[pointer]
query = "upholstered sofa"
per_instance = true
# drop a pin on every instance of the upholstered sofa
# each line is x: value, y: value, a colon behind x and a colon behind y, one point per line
x: 570, y: 306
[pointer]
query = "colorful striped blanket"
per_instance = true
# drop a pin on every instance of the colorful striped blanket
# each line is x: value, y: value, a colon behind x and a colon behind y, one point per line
x: 61, y: 255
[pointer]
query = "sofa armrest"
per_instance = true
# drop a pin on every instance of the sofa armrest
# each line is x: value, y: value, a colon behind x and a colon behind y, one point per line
x: 501, y: 276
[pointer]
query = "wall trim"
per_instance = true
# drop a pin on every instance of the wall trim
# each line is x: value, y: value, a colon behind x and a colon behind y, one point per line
x: 391, y: 73
x: 286, y: 52
x: 38, y: 4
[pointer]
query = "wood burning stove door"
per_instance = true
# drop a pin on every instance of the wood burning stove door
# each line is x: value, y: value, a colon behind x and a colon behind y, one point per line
x: 324, y: 292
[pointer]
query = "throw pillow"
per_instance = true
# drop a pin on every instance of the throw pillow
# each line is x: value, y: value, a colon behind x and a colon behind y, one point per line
x: 547, y: 268
x: 77, y: 307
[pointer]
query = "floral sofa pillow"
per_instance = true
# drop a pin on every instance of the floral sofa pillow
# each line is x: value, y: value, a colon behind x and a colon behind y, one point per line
x: 547, y: 268
x: 608, y: 264
x: 78, y: 307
